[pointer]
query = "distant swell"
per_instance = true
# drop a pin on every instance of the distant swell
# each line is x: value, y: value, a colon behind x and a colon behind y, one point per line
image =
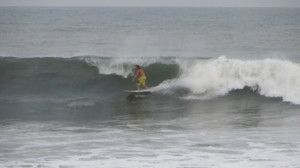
x: 188, y: 78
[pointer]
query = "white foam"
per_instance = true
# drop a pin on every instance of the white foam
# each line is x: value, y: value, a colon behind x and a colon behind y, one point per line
x: 59, y: 145
x: 211, y: 78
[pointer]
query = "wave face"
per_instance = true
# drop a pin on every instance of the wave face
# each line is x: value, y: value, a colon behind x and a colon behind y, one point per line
x: 189, y: 78
x: 64, y: 76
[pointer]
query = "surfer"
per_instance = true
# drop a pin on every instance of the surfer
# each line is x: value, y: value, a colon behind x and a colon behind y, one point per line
x: 140, y: 77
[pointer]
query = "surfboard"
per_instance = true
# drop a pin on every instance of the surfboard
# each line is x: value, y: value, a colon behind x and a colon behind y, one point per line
x: 143, y: 91
x: 137, y: 94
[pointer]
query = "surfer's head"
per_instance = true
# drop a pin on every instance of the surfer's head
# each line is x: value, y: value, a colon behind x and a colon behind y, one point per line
x: 137, y: 67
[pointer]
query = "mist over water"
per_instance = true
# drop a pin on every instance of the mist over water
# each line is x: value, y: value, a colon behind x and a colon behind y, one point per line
x: 225, y: 87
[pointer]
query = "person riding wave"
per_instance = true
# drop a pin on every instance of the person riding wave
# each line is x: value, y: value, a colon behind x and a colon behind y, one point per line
x: 140, y: 77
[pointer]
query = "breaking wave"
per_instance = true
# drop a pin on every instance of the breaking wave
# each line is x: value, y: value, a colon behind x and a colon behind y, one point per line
x: 217, y: 77
x: 190, y: 78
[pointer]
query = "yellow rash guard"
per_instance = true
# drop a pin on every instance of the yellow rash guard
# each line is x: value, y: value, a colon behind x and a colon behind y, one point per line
x: 141, y: 81
x: 141, y: 78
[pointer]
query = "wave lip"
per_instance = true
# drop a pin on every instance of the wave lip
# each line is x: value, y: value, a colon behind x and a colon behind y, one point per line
x: 123, y: 66
x: 212, y: 78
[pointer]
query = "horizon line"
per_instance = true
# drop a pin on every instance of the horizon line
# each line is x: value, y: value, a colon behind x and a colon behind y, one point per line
x: 148, y: 6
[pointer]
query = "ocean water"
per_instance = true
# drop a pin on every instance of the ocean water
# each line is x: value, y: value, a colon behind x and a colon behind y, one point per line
x: 225, y: 86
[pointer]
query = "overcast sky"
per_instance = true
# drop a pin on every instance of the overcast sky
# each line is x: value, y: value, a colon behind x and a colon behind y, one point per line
x: 212, y: 3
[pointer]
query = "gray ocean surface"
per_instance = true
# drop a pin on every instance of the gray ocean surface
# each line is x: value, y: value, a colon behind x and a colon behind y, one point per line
x: 200, y: 32
x: 225, y: 86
